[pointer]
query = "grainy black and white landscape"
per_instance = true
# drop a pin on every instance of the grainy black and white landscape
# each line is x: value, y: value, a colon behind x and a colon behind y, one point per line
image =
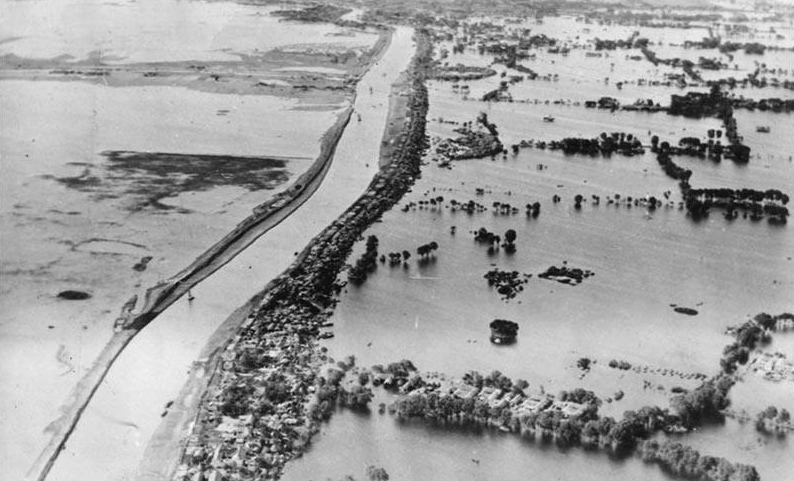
x: 420, y: 239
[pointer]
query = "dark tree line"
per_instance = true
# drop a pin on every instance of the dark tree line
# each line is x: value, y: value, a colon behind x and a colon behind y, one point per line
x: 687, y: 462
x: 366, y: 264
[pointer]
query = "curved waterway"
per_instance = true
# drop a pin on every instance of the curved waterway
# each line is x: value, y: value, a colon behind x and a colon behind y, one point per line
x: 109, y: 441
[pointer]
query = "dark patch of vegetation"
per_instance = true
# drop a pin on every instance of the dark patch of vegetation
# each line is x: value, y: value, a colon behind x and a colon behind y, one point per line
x: 319, y: 13
x: 704, y: 403
x: 622, y: 365
x: 583, y: 363
x: 457, y: 73
x: 773, y: 421
x: 149, y: 177
x: 604, y: 145
x: 686, y: 462
x: 507, y: 283
x: 366, y: 264
x: 425, y: 250
x: 565, y: 274
x: 503, y: 331
x: 747, y: 337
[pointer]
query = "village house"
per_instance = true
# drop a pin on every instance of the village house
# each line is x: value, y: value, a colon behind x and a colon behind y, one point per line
x: 534, y: 404
x: 568, y: 409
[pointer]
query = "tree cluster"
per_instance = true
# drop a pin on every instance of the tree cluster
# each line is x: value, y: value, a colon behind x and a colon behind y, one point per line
x: 507, y: 283
x: 687, y: 462
x: 396, y: 258
x: 746, y: 338
x: 622, y: 365
x: 773, y: 420
x: 366, y: 264
x: 357, y: 398
x: 503, y: 331
x: 566, y: 274
x: 706, y: 402
x: 425, y: 250
x: 671, y: 168
x: 533, y: 210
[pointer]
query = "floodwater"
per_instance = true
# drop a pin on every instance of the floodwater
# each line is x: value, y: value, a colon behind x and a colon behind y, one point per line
x: 130, y: 31
x: 59, y: 233
x: 741, y: 443
x: 127, y: 407
x: 437, y: 314
x: 74, y: 216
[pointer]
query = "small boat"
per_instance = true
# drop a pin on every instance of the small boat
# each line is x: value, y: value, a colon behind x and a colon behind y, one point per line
x: 548, y: 118
x: 190, y: 296
x: 763, y: 128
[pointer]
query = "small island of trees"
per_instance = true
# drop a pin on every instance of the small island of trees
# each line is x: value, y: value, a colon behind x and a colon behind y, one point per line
x: 503, y: 331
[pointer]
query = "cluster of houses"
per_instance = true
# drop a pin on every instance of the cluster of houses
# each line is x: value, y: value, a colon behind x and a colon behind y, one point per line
x: 228, y: 455
x: 496, y: 398
x: 773, y: 367
x: 256, y: 444
x: 471, y: 144
x: 519, y: 403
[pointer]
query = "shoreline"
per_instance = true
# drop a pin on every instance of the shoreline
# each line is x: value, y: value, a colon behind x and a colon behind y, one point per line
x: 165, y: 446
x: 240, y: 68
x: 159, y: 297
x: 297, y: 304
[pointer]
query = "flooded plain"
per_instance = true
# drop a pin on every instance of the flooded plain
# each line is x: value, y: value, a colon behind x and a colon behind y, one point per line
x: 415, y: 451
x: 436, y: 312
x: 128, y: 406
x: 134, y: 31
x: 108, y: 189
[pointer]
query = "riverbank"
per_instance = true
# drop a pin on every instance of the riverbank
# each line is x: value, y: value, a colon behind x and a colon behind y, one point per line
x: 163, y: 449
x: 250, y: 52
x: 266, y: 216
x: 289, y: 319
x: 165, y: 446
x: 159, y: 297
x: 57, y: 236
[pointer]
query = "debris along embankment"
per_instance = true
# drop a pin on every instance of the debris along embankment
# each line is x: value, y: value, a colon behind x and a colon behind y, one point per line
x: 159, y: 297
x: 277, y: 346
